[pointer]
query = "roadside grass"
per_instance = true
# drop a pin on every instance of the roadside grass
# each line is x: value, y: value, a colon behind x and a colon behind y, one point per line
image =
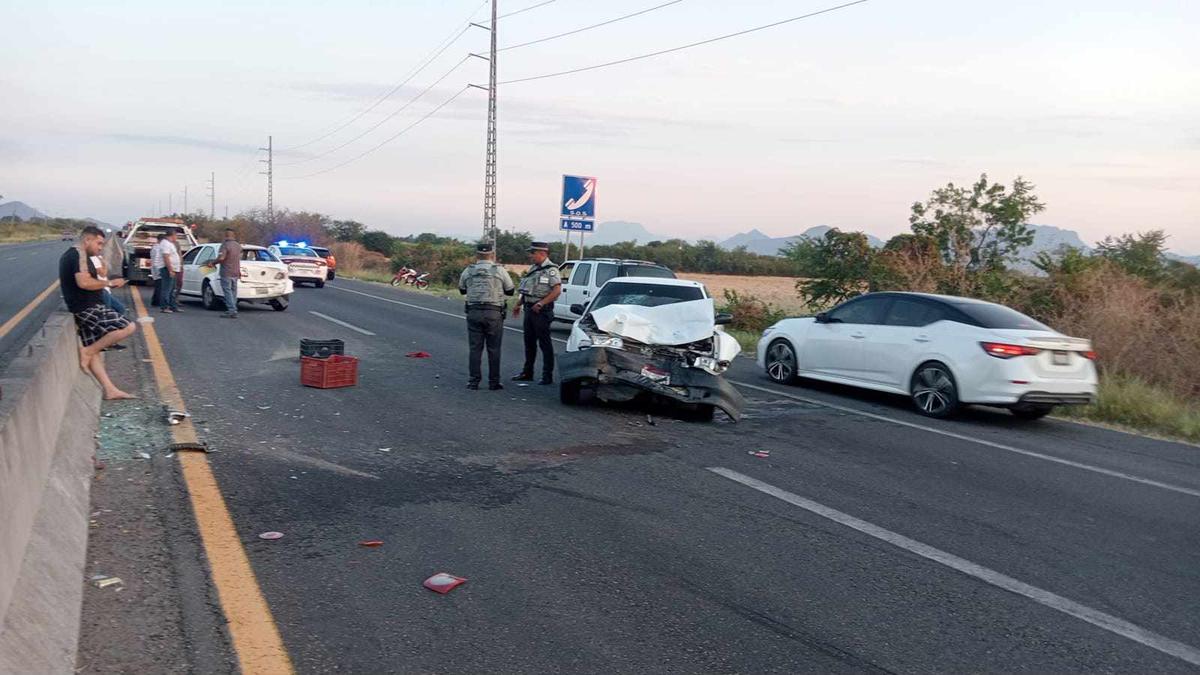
x: 16, y: 233
x: 748, y: 339
x: 1131, y: 403
x: 377, y: 277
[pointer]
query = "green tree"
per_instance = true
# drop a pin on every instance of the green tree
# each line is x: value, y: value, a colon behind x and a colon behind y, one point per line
x: 978, y: 228
x: 347, y: 230
x: 1143, y: 254
x: 842, y: 263
x: 380, y: 242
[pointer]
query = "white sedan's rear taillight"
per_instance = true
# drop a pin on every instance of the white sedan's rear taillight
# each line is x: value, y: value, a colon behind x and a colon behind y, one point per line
x: 1001, y: 350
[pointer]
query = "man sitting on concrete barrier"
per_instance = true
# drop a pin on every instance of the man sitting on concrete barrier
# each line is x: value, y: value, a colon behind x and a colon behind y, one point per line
x: 98, y: 325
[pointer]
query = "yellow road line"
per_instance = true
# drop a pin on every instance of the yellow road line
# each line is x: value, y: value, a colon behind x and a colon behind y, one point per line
x: 20, y: 316
x: 255, y: 636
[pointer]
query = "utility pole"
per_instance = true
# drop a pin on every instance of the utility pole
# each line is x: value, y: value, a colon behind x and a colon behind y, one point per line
x: 171, y: 202
x: 489, y: 179
x: 185, y: 200
x: 270, y: 162
x: 212, y: 196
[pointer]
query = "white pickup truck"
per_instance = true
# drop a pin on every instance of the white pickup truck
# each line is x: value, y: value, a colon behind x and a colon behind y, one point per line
x: 582, y: 279
x: 141, y: 236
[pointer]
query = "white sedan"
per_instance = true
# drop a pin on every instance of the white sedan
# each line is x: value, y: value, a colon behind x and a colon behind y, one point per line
x: 941, y: 351
x: 264, y: 277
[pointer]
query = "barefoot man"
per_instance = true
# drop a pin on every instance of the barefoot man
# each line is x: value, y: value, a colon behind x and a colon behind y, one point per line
x: 98, y: 325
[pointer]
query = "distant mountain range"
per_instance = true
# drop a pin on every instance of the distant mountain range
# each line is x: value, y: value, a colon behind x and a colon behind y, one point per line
x: 757, y: 242
x: 27, y: 212
x: 20, y: 210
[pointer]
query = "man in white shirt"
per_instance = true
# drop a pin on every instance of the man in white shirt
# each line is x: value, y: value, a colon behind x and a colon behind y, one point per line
x: 171, y: 266
x: 156, y: 263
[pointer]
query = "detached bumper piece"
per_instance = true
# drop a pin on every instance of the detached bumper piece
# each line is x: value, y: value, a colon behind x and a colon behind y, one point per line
x: 618, y: 376
x: 1047, y: 398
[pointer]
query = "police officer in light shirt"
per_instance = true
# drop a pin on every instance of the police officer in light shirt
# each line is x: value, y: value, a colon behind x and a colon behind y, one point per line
x: 539, y: 288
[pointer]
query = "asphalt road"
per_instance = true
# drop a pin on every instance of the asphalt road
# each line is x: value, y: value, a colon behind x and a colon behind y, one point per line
x: 871, y: 539
x: 27, y: 270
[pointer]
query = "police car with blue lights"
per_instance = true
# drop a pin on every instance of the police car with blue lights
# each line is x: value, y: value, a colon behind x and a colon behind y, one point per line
x: 304, y: 264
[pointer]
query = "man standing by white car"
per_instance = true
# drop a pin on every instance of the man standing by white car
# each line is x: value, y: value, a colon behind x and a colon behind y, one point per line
x: 171, y: 267
x: 230, y: 260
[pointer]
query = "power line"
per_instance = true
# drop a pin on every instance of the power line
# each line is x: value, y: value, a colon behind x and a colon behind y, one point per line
x: 587, y: 28
x: 398, y: 134
x: 522, y: 11
x: 437, y: 51
x: 687, y: 46
x: 385, y: 120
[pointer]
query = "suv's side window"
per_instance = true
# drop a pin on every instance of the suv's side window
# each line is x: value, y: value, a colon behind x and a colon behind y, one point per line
x: 190, y: 256
x: 864, y: 311
x: 581, y: 275
x: 912, y: 313
x: 604, y: 272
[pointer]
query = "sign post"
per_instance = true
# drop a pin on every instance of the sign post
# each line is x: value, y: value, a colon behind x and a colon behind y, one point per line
x: 577, y: 209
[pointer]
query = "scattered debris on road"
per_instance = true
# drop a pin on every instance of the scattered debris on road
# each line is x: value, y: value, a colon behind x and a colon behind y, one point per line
x: 650, y: 420
x: 419, y: 355
x: 371, y: 543
x: 271, y: 536
x: 761, y: 454
x: 102, y: 581
x: 443, y: 583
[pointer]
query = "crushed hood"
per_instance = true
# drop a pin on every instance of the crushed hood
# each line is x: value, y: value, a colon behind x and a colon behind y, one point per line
x: 668, y: 325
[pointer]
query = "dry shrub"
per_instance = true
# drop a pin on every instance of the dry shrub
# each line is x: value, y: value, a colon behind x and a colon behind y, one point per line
x: 353, y: 258
x: 750, y: 313
x: 1139, y: 330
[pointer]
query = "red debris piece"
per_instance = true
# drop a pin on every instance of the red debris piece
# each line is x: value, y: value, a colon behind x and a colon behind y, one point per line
x: 761, y: 454
x: 443, y: 583
x: 371, y: 543
x: 418, y: 355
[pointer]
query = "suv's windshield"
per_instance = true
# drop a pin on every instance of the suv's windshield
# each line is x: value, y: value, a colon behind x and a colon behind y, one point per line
x: 645, y: 295
x: 653, y: 271
x: 299, y: 252
x: 998, y: 316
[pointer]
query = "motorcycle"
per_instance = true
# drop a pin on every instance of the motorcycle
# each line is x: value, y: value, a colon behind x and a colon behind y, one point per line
x: 403, y: 276
x: 411, y: 277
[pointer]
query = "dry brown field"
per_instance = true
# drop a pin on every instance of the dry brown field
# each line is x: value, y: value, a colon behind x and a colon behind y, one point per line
x: 777, y: 291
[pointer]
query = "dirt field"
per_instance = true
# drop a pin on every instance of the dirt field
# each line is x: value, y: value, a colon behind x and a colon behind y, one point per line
x: 778, y: 291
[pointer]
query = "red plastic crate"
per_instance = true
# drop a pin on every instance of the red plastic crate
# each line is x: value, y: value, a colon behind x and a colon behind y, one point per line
x: 330, y: 373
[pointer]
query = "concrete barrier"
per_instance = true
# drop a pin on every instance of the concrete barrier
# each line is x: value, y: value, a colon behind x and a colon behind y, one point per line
x: 49, y: 415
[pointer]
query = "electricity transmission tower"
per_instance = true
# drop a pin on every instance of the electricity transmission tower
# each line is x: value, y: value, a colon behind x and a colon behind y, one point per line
x: 212, y: 196
x: 270, y: 162
x: 489, y: 180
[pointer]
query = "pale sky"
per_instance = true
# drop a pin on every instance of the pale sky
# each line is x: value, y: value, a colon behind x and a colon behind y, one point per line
x: 844, y: 119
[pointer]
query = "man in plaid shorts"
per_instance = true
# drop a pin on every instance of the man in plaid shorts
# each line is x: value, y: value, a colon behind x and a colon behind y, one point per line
x: 98, y: 325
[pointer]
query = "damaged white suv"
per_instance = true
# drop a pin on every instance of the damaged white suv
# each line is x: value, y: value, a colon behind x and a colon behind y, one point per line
x: 645, y: 336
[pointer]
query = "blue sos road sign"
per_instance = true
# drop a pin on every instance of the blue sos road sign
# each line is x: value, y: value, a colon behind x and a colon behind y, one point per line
x: 578, y: 205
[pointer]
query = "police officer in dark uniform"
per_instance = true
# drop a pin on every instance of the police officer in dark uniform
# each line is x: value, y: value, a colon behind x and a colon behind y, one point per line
x: 485, y: 284
x: 540, y: 286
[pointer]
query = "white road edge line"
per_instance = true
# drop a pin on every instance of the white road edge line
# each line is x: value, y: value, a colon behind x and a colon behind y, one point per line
x: 991, y: 444
x: 1054, y: 601
x: 883, y: 418
x: 339, y: 322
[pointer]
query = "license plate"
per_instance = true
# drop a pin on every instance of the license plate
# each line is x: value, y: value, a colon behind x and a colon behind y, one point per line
x: 1061, y: 358
x: 261, y: 291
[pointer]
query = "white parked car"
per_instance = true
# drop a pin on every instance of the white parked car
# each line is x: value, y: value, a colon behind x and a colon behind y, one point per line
x: 648, y: 336
x: 303, y: 263
x: 264, y: 277
x: 941, y: 351
x: 582, y: 279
